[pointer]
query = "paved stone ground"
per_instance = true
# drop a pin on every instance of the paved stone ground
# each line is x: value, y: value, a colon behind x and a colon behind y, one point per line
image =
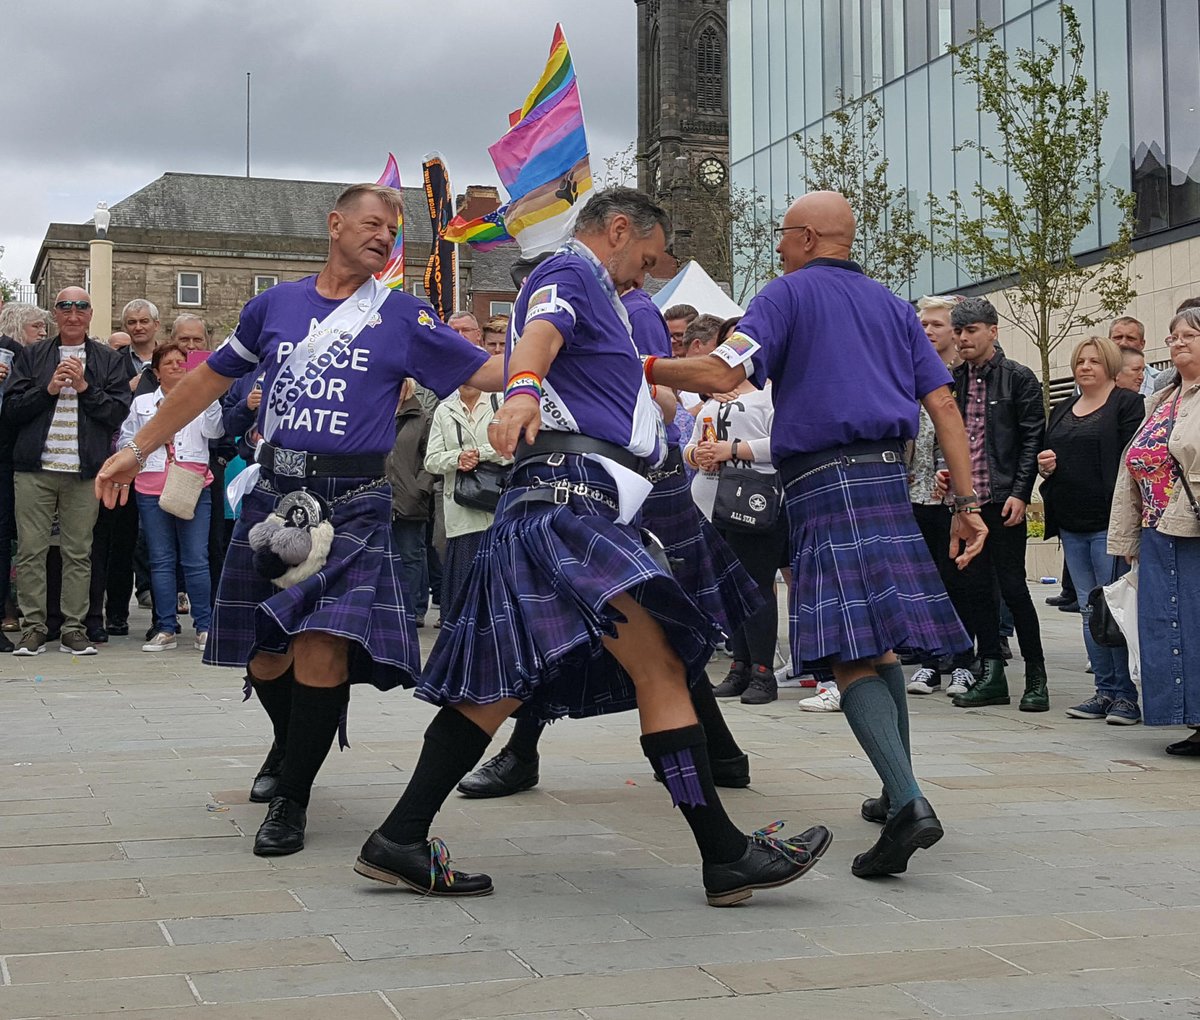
x: 1067, y: 887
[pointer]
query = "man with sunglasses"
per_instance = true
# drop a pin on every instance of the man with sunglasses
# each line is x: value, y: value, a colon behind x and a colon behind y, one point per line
x: 67, y: 397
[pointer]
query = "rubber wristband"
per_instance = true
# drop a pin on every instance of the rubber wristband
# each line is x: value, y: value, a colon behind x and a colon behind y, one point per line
x: 648, y: 368
x: 527, y: 384
x: 523, y: 391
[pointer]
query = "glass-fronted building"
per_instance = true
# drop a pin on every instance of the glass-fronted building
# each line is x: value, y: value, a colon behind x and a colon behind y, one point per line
x: 790, y: 59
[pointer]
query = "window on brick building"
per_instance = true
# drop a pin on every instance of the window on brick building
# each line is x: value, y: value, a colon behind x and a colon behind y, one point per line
x: 499, y: 308
x: 262, y: 283
x: 189, y: 289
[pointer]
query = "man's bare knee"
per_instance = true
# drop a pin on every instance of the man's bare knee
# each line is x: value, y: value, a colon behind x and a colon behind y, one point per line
x: 846, y: 673
x: 267, y: 666
x: 321, y: 660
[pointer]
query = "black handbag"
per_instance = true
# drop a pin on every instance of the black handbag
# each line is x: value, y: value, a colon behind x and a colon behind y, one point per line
x: 480, y: 489
x: 1105, y: 631
x: 746, y: 499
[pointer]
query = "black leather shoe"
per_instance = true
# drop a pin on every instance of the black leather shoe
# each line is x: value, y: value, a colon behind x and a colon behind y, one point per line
x: 1185, y: 748
x: 1069, y: 607
x: 766, y: 864
x: 423, y: 867
x: 98, y: 636
x: 735, y: 683
x: 265, y: 783
x: 762, y: 688
x: 914, y: 828
x: 875, y: 809
x: 503, y: 776
x: 1060, y: 600
x: 733, y: 773
x: 282, y: 831
x: 118, y: 629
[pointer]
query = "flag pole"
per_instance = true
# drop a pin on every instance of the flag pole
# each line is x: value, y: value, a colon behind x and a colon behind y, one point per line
x: 247, y: 123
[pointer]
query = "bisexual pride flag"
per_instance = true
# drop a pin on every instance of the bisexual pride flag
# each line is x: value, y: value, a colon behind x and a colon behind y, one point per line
x: 392, y: 273
x: 543, y: 164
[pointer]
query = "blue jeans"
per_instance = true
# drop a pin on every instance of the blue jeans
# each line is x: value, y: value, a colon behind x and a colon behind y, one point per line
x: 162, y: 531
x: 408, y: 542
x: 1091, y: 566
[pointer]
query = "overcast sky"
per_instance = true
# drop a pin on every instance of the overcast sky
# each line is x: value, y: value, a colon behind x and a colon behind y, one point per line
x: 99, y: 99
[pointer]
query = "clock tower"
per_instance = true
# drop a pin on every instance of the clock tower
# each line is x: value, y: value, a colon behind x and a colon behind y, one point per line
x: 683, y: 121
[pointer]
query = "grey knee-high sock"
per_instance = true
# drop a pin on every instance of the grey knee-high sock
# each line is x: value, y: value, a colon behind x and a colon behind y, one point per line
x: 893, y: 676
x: 871, y: 712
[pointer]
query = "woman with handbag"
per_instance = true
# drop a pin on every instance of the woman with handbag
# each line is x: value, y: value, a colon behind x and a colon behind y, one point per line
x: 1156, y: 521
x: 473, y: 473
x: 730, y: 444
x: 174, y: 504
x: 1079, y: 466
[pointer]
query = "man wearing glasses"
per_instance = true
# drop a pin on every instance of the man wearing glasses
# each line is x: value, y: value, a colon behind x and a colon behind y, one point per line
x: 67, y: 397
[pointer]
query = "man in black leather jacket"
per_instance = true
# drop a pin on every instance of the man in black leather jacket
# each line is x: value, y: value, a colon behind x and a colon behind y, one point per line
x: 1001, y: 403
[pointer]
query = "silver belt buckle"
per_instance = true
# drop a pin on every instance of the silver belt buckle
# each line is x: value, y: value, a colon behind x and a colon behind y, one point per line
x: 289, y: 463
x: 556, y: 459
x: 890, y: 457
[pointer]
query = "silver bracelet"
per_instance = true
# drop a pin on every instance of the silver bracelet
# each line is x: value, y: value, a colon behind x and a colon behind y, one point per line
x: 137, y: 453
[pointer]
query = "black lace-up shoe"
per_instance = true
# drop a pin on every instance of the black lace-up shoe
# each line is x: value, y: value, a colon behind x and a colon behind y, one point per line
x: 503, y: 776
x: 282, y: 831
x: 423, y: 867
x: 766, y: 864
x: 915, y: 827
x: 267, y: 780
x: 875, y: 809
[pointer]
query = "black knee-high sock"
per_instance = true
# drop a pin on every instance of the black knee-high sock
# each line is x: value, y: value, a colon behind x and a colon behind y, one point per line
x: 682, y: 759
x: 721, y: 743
x: 893, y: 675
x: 453, y: 746
x: 523, y: 741
x: 275, y: 696
x: 316, y: 713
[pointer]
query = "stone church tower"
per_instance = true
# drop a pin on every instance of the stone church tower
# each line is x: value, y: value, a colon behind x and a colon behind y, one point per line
x: 683, y: 119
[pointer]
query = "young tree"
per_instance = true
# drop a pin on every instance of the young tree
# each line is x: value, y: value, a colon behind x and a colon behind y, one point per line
x: 1050, y: 121
x: 888, y: 243
x: 739, y: 234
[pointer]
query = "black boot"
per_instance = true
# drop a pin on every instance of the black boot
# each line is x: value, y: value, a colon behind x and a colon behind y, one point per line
x: 423, y: 867
x: 502, y: 776
x: 282, y: 831
x: 762, y: 689
x: 735, y: 682
x: 875, y: 809
x: 915, y: 827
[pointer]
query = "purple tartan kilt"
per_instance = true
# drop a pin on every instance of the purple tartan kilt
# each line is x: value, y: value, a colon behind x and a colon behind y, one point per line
x: 702, y: 562
x: 356, y: 595
x: 863, y: 582
x: 530, y: 620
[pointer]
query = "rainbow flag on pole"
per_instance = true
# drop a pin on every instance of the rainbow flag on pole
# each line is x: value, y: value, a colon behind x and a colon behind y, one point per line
x: 392, y: 273
x: 543, y: 163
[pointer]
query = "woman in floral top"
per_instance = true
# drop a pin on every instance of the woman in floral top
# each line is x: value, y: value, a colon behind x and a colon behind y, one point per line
x: 1155, y: 522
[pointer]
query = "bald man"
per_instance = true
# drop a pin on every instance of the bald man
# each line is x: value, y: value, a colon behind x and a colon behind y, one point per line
x: 850, y: 364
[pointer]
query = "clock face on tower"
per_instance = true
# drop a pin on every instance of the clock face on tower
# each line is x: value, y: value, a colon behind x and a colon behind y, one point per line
x: 711, y: 172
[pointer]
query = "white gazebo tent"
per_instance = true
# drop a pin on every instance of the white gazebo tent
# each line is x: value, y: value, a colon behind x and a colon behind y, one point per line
x: 693, y: 286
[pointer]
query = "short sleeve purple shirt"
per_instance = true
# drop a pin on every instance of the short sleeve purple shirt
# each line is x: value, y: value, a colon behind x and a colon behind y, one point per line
x: 847, y: 357
x: 650, y: 335
x: 352, y: 407
x: 595, y: 385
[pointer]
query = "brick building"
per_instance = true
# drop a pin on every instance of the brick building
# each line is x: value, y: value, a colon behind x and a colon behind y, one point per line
x: 207, y: 243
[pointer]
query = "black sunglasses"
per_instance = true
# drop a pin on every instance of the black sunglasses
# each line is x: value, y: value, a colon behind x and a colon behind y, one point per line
x: 66, y: 306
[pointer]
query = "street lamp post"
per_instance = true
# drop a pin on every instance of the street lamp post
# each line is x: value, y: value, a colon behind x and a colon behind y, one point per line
x: 100, y: 251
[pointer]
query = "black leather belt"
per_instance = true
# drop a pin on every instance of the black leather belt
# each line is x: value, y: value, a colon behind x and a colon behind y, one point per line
x: 297, y: 464
x: 884, y: 451
x: 547, y: 444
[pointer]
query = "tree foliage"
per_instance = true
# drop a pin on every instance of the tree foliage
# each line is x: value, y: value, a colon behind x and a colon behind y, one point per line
x: 888, y: 243
x: 1050, y: 122
x: 735, y: 230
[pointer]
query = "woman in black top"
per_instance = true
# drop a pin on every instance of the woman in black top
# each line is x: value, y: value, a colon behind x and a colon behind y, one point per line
x: 1084, y: 442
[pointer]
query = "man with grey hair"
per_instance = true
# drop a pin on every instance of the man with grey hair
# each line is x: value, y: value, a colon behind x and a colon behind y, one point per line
x: 140, y: 320
x: 1129, y: 334
x: 67, y: 398
x: 190, y: 330
x: 700, y: 337
x: 465, y: 324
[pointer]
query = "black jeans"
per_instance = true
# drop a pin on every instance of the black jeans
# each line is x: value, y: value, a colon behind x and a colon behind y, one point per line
x: 760, y: 554
x: 1004, y: 558
x: 113, y: 541
x: 8, y: 530
x: 934, y: 522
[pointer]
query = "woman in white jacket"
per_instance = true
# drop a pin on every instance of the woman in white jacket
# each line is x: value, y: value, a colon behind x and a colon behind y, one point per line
x: 458, y: 441
x: 163, y: 530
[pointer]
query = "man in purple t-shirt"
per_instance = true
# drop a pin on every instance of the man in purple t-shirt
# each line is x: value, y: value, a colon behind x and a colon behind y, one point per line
x: 849, y: 365
x: 309, y: 600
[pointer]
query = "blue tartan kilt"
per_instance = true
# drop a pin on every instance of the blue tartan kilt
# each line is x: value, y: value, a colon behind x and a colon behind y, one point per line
x: 356, y: 595
x: 701, y: 560
x: 530, y: 620
x: 863, y: 582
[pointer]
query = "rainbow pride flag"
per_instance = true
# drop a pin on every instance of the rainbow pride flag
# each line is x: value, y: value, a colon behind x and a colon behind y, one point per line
x: 482, y: 234
x: 542, y: 161
x: 392, y: 273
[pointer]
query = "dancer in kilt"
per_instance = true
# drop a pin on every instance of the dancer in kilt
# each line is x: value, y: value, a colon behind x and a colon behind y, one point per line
x: 310, y: 598
x: 849, y: 363
x: 566, y: 612
x: 703, y: 565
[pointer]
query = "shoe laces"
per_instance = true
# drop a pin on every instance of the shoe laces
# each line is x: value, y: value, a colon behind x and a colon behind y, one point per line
x: 439, y: 863
x: 962, y: 675
x: 1123, y: 704
x: 764, y: 837
x: 923, y: 675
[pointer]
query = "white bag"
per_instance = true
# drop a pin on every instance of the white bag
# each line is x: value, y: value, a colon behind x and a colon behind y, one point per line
x: 1121, y: 597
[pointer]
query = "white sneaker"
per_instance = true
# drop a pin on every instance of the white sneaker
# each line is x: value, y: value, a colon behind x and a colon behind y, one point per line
x: 961, y: 681
x: 161, y: 642
x: 201, y: 641
x: 784, y: 678
x: 925, y: 681
x: 827, y: 699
